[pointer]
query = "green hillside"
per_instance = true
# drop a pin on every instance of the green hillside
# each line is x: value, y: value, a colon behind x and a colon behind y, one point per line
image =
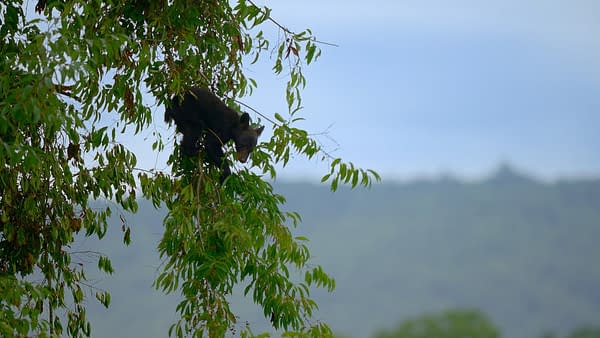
x: 524, y: 252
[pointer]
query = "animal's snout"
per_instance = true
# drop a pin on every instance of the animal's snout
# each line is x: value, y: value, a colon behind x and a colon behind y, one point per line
x: 242, y: 155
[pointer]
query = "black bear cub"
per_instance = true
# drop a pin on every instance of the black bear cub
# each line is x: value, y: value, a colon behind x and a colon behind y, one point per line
x: 202, y: 114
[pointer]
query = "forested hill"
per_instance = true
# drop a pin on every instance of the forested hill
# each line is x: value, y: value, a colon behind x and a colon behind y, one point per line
x: 526, y: 253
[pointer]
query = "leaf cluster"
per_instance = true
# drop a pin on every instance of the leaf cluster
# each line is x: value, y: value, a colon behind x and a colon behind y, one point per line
x: 454, y: 323
x: 75, y: 76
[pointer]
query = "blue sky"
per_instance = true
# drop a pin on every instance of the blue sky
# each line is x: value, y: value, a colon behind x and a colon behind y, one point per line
x: 422, y: 88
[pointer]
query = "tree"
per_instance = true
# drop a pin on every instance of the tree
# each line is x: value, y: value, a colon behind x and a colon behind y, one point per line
x: 448, y: 324
x: 585, y: 332
x: 74, y: 76
x: 579, y: 332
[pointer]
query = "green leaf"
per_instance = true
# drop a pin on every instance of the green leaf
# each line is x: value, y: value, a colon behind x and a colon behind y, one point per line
x: 279, y: 118
x: 355, y: 177
x: 105, y: 265
x: 311, y: 49
x: 335, y: 162
x: 374, y: 174
x: 334, y: 184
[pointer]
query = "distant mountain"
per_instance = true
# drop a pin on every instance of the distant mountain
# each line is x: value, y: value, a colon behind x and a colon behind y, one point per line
x: 523, y: 251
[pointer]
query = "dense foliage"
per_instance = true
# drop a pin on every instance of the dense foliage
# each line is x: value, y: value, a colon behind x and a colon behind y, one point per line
x: 448, y: 324
x: 74, y: 76
x: 461, y: 323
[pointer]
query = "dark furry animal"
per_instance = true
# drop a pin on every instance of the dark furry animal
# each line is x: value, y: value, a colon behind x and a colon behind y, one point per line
x: 204, y: 120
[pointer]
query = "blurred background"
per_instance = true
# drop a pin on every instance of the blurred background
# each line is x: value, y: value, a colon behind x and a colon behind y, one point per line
x: 482, y: 118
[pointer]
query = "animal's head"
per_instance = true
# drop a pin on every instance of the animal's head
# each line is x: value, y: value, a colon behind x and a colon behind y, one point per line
x: 246, y: 138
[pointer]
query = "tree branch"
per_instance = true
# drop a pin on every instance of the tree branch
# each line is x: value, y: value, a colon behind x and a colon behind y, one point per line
x: 288, y: 31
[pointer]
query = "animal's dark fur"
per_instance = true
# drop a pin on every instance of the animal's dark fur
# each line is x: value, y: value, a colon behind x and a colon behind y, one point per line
x: 201, y: 112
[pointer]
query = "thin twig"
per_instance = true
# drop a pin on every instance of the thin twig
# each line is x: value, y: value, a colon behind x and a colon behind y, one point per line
x: 288, y: 31
x: 257, y: 112
x: 328, y: 155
